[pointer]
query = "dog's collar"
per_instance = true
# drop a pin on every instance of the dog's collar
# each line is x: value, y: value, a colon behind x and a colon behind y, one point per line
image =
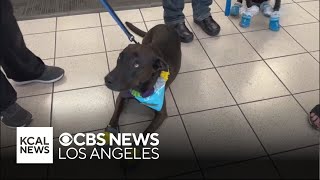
x: 155, y: 99
x: 164, y: 75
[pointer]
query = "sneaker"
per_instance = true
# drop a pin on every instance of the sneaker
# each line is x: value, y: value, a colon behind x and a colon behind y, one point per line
x: 51, y: 74
x: 15, y: 116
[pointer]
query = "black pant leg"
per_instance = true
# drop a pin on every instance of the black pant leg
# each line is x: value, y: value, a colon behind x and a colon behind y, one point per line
x: 18, y: 61
x: 8, y: 95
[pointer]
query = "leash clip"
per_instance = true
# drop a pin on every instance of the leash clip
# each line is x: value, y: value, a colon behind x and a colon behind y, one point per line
x: 133, y: 40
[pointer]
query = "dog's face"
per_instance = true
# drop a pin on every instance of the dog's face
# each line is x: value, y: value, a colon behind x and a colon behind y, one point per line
x: 136, y: 64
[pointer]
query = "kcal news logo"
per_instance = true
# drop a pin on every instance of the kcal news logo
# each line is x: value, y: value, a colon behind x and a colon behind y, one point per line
x: 34, y: 145
x: 108, y: 146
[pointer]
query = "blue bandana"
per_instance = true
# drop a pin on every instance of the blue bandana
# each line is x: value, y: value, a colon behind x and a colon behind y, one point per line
x: 155, y: 100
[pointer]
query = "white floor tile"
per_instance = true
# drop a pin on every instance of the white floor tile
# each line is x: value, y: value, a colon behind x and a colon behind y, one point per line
x: 131, y: 16
x: 78, y: 42
x: 41, y: 45
x: 116, y: 39
x: 299, y: 72
x: 231, y: 49
x: 78, y: 21
x: 252, y: 81
x: 204, y: 89
x: 307, y: 35
x: 37, y: 26
x: 281, y: 124
x: 82, y: 71
x: 271, y: 44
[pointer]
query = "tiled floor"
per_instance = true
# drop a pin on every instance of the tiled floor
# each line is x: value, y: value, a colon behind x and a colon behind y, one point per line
x: 241, y: 98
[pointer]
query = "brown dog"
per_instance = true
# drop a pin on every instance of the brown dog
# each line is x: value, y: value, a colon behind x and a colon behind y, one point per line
x: 139, y: 66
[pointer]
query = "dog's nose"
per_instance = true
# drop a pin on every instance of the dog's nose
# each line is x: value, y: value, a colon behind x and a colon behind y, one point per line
x: 108, y: 79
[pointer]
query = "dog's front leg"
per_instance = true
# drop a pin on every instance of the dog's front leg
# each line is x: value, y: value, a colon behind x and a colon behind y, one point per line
x: 274, y: 24
x: 277, y: 5
x: 160, y: 116
x: 114, y: 122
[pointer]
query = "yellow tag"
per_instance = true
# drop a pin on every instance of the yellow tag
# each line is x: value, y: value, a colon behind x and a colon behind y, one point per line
x: 106, y: 137
x: 135, y: 152
x: 165, y: 75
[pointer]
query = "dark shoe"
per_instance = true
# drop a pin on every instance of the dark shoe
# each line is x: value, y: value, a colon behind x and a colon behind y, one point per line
x: 185, y: 35
x: 15, y: 116
x: 51, y: 74
x: 314, y: 118
x: 209, y: 26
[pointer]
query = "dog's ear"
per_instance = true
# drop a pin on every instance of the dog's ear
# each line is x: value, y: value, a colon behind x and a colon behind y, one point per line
x: 159, y: 64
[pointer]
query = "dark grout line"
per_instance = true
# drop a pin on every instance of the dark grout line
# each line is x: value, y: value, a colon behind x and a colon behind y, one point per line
x: 149, y: 120
x: 185, y: 72
x: 46, y: 32
x: 7, y: 147
x: 204, y: 110
x: 35, y: 95
x: 52, y: 92
x: 220, y: 35
x: 112, y: 93
x: 30, y: 34
x: 307, y: 11
x: 242, y: 161
x: 267, y: 59
x: 56, y: 31
x: 298, y: 43
x: 188, y: 136
x: 306, y: 92
x: 82, y: 28
x: 301, y: 24
x: 61, y: 57
x: 235, y: 162
x: 302, y: 1
x: 82, y: 132
x: 144, y: 22
x: 295, y: 149
x: 279, y: 77
x: 86, y: 87
x: 184, y: 173
x: 248, y: 62
x: 54, y: 63
x: 264, y: 148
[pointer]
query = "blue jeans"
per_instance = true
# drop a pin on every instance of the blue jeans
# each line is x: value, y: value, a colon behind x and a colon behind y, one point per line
x: 173, y: 10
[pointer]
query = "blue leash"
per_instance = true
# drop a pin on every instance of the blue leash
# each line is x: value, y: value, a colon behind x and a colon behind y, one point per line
x: 228, y: 7
x: 117, y: 19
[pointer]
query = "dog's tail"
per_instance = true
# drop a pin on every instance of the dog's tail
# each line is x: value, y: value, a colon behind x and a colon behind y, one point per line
x: 135, y: 29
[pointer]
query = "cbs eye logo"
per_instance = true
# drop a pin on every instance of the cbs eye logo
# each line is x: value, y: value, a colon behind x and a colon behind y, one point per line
x: 65, y: 139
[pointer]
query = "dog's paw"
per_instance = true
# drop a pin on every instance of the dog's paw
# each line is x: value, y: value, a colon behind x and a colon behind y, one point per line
x: 235, y: 9
x: 252, y: 11
x: 274, y: 21
x: 275, y: 14
x: 242, y: 10
x: 266, y: 9
x: 245, y: 21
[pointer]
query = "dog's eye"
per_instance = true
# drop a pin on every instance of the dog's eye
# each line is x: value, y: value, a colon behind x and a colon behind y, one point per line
x: 136, y: 65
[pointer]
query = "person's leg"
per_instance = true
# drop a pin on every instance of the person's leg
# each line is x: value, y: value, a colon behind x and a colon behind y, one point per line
x: 202, y: 17
x: 11, y: 114
x: 8, y: 95
x: 174, y: 17
x: 173, y: 11
x: 201, y: 9
x: 19, y: 63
